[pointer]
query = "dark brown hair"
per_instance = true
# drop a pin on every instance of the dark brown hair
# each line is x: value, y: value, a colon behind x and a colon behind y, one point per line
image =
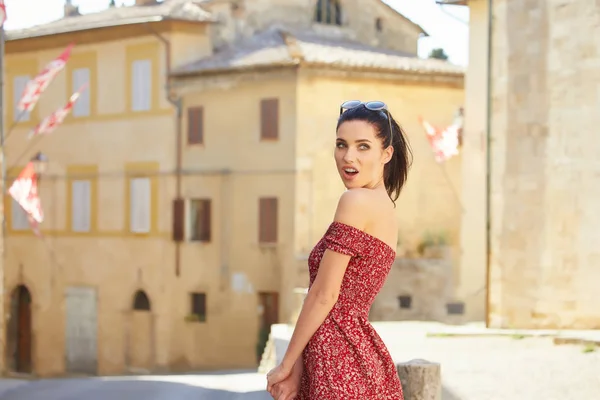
x: 395, y: 171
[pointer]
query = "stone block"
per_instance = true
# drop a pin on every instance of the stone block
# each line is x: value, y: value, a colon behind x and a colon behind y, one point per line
x: 421, y: 380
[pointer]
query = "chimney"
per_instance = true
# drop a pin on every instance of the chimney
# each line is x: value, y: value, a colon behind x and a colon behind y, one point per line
x: 70, y: 9
x: 145, y: 2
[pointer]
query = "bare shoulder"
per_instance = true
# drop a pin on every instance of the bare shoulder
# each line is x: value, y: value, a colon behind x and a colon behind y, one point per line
x: 353, y: 208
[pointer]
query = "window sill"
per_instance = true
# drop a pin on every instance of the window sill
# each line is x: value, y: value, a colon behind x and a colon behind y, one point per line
x: 268, y: 245
x: 204, y: 242
x: 195, y: 318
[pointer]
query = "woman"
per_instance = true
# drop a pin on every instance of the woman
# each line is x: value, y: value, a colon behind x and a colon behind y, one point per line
x: 334, y: 352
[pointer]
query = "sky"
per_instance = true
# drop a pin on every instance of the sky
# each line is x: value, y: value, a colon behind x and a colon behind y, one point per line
x: 446, y: 25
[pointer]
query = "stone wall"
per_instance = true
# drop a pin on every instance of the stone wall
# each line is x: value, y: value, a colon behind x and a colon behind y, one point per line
x: 417, y: 289
x: 367, y: 21
x: 545, y: 172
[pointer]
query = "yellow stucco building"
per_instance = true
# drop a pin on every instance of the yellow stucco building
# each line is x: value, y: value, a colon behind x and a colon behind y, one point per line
x: 196, y: 172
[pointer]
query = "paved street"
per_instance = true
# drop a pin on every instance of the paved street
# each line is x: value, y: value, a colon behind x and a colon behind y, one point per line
x: 223, y: 386
x: 473, y: 368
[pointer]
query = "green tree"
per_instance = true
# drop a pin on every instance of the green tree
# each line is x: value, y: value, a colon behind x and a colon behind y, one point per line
x: 438, y: 53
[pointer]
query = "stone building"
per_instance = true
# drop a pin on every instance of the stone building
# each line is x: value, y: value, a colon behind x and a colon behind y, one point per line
x: 186, y: 188
x: 530, y: 165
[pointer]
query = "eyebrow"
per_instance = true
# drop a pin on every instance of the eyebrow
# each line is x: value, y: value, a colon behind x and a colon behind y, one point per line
x: 358, y: 141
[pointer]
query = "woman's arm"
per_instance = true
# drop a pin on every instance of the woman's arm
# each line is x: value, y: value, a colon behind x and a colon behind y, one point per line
x: 325, y: 290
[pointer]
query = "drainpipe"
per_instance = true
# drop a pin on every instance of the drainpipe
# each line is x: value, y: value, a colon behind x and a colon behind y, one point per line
x: 488, y: 180
x: 177, y: 103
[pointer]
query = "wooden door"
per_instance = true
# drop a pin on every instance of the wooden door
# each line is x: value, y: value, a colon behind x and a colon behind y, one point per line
x: 23, y: 354
x: 269, y: 305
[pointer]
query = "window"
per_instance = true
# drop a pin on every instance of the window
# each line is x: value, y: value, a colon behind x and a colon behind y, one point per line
x: 20, y: 221
x: 19, y: 84
x: 195, y: 125
x: 328, y: 12
x: 81, y: 77
x: 267, y: 220
x: 405, y: 302
x: 192, y: 220
x: 269, y: 119
x: 199, y: 220
x: 141, y: 85
x: 198, y: 306
x: 140, y: 214
x: 379, y: 24
x: 81, y: 202
x: 455, y: 308
x: 141, y: 302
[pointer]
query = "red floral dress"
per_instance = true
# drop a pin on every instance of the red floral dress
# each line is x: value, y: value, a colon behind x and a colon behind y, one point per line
x: 346, y: 359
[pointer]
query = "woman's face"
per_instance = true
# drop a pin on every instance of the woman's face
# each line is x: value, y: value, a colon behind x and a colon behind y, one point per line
x: 359, y: 154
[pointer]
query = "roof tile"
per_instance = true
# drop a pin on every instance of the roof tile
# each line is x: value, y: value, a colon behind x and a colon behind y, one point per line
x: 185, y: 10
x: 269, y: 48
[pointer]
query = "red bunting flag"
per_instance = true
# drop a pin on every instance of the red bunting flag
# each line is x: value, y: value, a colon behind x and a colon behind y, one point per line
x: 51, y: 122
x: 25, y: 192
x: 36, y: 86
x: 2, y: 13
x: 444, y: 142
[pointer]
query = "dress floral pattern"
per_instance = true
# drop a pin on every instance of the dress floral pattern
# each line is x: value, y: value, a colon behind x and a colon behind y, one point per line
x: 346, y: 359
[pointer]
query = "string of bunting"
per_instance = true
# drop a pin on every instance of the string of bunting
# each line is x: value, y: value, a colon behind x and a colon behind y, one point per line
x: 24, y: 189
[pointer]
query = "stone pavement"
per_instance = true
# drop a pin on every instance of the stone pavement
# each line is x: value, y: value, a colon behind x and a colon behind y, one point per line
x: 236, y: 385
x: 477, y: 364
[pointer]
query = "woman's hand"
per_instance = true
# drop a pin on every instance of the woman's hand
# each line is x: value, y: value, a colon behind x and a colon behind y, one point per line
x: 276, y: 375
x: 288, y: 388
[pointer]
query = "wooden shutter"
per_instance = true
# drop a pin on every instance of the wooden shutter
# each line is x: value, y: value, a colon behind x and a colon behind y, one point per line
x: 81, y: 76
x: 195, y: 125
x: 205, y: 220
x: 267, y: 230
x: 178, y: 220
x: 141, y: 85
x: 80, y: 205
x: 19, y: 83
x: 140, y: 205
x: 269, y: 119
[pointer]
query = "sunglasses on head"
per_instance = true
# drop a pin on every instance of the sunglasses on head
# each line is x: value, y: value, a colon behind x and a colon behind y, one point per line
x: 369, y: 105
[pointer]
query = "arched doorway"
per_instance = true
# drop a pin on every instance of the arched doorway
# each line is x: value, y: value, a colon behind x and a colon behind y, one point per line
x: 141, y: 340
x: 19, y: 332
